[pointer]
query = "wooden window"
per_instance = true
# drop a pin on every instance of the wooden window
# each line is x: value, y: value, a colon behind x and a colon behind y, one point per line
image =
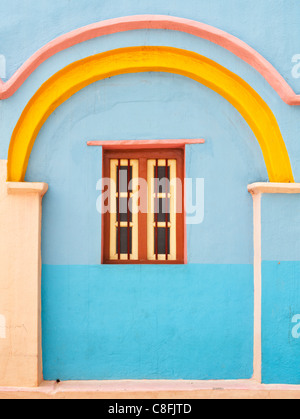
x: 145, y: 221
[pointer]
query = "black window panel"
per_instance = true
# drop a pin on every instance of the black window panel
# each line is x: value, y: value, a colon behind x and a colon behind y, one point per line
x: 123, y: 179
x: 123, y: 210
x: 163, y: 182
x: 124, y: 241
x: 161, y: 239
x: 162, y: 209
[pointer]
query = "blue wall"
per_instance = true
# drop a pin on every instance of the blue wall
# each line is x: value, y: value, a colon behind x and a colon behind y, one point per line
x: 147, y: 323
x: 78, y: 291
x: 195, y: 321
x: 281, y: 288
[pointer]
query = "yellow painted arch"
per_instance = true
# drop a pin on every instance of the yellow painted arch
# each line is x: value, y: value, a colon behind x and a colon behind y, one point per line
x: 82, y: 73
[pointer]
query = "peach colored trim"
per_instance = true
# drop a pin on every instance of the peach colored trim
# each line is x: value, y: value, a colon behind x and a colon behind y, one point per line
x: 257, y: 353
x: 185, y: 214
x: 153, y: 390
x: 135, y: 144
x: 130, y: 23
x: 282, y: 188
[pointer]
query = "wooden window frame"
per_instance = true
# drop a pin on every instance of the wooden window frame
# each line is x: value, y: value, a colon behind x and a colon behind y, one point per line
x: 143, y: 155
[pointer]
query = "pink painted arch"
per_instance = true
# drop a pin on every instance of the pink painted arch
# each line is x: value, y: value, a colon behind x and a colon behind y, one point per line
x: 201, y: 30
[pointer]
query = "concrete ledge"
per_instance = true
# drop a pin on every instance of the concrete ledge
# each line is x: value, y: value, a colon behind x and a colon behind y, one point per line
x: 140, y: 144
x: 153, y: 390
x: 279, y: 188
x: 23, y: 188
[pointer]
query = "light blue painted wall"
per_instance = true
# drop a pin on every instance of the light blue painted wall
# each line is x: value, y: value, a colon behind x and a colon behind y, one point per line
x: 76, y: 290
x: 281, y: 227
x: 281, y: 303
x: 281, y: 286
x: 269, y: 26
x: 147, y: 323
x: 245, y: 20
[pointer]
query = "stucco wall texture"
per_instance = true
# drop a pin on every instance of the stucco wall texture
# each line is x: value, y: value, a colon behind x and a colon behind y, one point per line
x: 192, y: 322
